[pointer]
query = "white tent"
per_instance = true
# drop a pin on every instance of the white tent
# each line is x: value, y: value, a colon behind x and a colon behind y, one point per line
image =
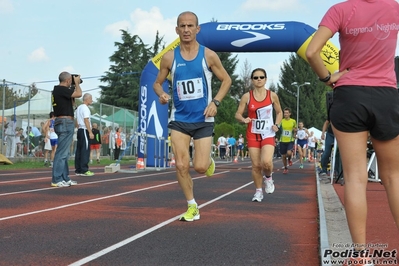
x: 316, y: 132
x: 40, y: 104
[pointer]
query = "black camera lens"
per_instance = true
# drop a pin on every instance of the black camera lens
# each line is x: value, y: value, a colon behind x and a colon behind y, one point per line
x: 73, y: 80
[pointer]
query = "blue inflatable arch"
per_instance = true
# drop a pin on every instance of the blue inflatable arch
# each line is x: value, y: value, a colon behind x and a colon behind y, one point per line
x: 286, y: 36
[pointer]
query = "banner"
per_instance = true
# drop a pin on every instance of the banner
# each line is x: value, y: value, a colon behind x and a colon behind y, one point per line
x: 287, y: 36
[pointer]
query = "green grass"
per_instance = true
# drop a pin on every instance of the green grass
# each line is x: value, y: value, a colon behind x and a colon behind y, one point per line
x: 38, y: 163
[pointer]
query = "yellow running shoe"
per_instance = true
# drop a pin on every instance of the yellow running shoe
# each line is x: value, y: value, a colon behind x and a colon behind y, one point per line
x: 211, y: 168
x: 192, y: 213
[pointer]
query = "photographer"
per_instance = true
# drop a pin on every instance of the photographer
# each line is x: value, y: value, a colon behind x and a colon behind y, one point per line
x: 63, y: 97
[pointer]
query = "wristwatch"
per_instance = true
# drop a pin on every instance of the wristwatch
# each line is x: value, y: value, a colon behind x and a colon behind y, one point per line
x: 216, y: 102
x: 326, y: 79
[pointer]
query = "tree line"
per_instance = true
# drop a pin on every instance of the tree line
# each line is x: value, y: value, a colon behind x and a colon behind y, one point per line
x: 122, y: 84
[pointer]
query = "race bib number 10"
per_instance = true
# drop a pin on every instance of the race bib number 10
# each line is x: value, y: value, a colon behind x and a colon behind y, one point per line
x: 260, y: 126
x: 190, y: 89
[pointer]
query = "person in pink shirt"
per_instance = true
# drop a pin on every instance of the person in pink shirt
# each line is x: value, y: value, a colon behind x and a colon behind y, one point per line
x: 366, y: 99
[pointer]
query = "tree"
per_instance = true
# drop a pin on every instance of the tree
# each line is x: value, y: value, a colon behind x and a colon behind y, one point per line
x: 312, y: 99
x: 16, y: 94
x: 229, y: 104
x: 123, y: 77
x: 245, y: 77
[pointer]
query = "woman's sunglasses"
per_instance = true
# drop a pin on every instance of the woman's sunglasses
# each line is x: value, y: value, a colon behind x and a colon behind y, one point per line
x: 260, y: 77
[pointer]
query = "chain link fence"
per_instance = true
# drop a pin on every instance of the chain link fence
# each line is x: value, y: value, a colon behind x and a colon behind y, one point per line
x: 31, y: 112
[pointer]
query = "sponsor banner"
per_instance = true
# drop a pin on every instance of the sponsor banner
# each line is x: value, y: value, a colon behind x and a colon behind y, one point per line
x: 153, y: 118
x: 287, y: 36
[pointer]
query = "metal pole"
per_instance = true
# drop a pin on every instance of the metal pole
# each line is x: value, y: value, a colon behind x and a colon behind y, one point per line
x: 2, y: 115
x: 297, y: 105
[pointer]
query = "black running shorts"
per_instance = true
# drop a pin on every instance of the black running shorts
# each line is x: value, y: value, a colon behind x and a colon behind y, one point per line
x: 361, y: 108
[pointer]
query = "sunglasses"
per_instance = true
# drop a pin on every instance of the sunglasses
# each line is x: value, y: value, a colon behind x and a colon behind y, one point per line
x: 260, y: 77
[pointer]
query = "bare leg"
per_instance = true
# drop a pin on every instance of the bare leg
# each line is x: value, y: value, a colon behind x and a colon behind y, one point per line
x: 388, y: 168
x: 352, y: 147
x: 267, y: 159
x: 256, y: 167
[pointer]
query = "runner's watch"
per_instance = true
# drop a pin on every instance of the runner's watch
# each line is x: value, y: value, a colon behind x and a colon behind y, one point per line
x: 216, y: 102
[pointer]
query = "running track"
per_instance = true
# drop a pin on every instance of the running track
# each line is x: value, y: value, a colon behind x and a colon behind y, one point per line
x: 131, y: 219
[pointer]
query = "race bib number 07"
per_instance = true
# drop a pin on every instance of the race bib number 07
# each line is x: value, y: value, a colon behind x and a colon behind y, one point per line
x: 260, y: 126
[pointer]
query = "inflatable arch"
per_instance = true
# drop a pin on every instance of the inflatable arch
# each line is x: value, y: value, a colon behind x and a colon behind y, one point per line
x: 221, y: 37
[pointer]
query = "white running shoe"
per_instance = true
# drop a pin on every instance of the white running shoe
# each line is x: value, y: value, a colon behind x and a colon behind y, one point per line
x: 258, y: 196
x: 269, y: 185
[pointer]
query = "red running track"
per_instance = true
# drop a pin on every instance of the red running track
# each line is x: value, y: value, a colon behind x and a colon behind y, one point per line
x: 131, y: 219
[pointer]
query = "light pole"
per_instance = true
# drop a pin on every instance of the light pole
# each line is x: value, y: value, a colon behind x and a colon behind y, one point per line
x: 297, y: 107
x: 297, y: 97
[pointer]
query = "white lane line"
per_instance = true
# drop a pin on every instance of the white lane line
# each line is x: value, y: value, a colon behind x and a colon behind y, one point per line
x: 35, y: 179
x: 79, y: 184
x: 25, y: 173
x: 95, y: 199
x: 146, y: 232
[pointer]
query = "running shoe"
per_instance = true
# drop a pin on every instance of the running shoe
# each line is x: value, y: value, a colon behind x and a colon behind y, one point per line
x: 304, y: 159
x: 285, y: 171
x: 88, y: 173
x: 258, y: 196
x: 289, y: 162
x: 98, y: 160
x: 71, y: 182
x: 192, y: 213
x: 269, y: 185
x: 301, y: 166
x: 60, y: 184
x: 211, y: 168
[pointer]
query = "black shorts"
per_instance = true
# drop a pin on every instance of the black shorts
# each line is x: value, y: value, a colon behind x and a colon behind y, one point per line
x: 286, y: 146
x: 195, y: 130
x: 361, y: 108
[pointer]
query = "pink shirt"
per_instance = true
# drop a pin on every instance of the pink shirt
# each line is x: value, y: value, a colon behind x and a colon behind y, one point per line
x: 368, y: 31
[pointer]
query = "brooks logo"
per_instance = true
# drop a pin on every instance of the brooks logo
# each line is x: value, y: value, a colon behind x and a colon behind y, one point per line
x: 245, y: 41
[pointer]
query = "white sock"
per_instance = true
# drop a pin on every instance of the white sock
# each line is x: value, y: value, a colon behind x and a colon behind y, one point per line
x: 192, y: 202
x: 259, y: 190
x: 267, y: 177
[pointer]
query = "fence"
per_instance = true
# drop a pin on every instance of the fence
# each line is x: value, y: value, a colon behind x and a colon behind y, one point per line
x: 109, y: 120
x: 33, y: 111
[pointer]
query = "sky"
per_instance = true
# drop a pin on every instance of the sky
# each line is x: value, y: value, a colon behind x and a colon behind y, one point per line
x: 41, y: 38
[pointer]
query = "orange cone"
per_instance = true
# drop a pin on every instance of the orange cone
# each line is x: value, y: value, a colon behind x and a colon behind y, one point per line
x: 140, y: 163
x: 235, y: 159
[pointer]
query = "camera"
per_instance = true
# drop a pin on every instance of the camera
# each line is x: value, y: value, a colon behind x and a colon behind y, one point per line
x: 73, y: 80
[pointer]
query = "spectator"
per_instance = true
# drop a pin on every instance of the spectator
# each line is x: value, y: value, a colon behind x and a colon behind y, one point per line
x: 95, y: 143
x: 50, y: 140
x: 232, y: 143
x: 19, y: 140
x: 222, y: 145
x: 85, y: 135
x: 105, y: 141
x: 366, y: 101
x: 10, y: 137
x: 73, y: 143
x: 240, y: 147
x: 118, y: 143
